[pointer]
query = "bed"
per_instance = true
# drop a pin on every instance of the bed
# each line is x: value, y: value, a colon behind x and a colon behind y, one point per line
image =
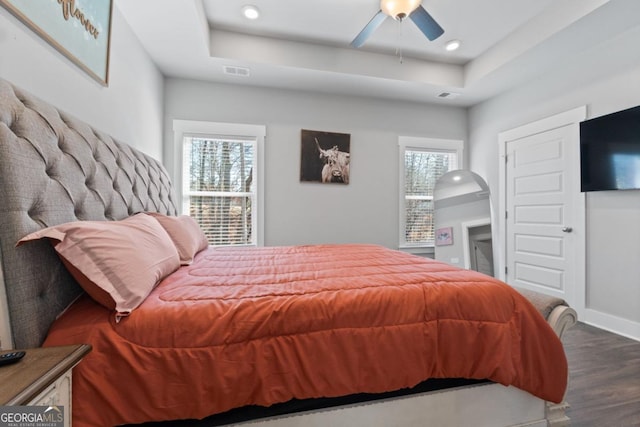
x: 243, y: 327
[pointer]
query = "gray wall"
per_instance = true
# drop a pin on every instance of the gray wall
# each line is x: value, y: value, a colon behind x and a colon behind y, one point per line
x: 366, y: 210
x: 130, y: 108
x: 613, y: 218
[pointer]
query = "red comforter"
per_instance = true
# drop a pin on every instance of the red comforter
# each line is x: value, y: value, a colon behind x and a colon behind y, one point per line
x: 265, y: 325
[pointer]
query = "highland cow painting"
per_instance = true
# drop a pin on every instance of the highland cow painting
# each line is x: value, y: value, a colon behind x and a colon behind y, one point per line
x: 325, y: 156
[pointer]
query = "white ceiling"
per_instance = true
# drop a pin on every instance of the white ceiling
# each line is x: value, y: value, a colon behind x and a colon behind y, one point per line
x: 304, y: 44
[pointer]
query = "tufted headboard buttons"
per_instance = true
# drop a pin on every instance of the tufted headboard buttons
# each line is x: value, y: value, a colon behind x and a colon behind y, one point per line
x: 54, y: 169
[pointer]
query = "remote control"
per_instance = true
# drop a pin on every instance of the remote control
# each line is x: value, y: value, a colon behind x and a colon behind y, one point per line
x: 12, y: 357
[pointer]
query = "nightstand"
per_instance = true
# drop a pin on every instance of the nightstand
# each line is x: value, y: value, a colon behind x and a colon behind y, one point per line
x: 42, y: 377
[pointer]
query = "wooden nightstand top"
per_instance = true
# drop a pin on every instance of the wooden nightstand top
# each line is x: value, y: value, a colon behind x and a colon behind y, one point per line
x: 22, y: 381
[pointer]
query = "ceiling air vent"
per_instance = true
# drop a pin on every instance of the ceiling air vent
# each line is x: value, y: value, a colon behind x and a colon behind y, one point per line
x: 449, y: 95
x: 236, y: 71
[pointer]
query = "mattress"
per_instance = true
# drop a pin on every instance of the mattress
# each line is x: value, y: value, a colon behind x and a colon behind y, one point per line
x: 261, y: 326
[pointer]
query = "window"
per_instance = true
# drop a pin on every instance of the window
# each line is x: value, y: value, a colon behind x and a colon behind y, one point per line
x: 422, y: 162
x: 221, y: 180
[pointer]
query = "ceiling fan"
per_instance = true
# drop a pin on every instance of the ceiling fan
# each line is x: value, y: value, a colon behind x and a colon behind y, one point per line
x: 399, y: 10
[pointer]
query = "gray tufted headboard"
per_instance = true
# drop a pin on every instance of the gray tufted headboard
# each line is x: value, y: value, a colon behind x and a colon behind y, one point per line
x: 56, y: 169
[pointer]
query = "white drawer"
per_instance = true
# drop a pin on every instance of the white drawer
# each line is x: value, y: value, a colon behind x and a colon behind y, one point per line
x: 57, y: 394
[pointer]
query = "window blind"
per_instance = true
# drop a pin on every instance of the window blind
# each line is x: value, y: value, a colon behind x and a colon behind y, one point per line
x: 221, y: 191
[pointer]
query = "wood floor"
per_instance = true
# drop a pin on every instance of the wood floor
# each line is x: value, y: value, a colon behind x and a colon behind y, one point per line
x: 604, y: 378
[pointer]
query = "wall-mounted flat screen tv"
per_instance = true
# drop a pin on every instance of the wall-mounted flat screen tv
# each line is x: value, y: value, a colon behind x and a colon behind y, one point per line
x: 610, y: 151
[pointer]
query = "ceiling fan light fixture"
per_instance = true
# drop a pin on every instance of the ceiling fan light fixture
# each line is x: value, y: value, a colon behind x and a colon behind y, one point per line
x: 452, y: 45
x: 249, y: 11
x: 399, y: 9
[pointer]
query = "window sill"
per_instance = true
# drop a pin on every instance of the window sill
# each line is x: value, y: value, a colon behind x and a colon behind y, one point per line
x: 426, y: 251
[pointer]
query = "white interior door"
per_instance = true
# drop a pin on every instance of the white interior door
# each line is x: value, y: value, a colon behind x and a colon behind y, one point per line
x: 543, y: 209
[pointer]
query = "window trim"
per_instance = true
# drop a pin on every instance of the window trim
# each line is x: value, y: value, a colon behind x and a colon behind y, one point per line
x: 190, y: 128
x: 427, y: 144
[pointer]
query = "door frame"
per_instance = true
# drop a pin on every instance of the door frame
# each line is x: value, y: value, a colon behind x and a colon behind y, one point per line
x: 466, y: 226
x: 577, y: 295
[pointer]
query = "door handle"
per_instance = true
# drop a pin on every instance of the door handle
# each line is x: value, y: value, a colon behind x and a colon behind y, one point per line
x: 567, y: 229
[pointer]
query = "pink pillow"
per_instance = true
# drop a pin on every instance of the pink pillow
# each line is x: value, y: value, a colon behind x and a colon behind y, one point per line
x: 185, y: 233
x: 118, y: 263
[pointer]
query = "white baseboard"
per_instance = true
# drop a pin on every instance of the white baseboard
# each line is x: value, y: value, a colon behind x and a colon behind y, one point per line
x: 611, y: 323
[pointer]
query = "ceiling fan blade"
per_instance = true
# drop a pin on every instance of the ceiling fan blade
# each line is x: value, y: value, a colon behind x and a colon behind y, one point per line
x: 366, y: 32
x: 426, y: 23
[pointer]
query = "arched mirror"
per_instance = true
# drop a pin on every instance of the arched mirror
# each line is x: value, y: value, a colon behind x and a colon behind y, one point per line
x: 463, y: 221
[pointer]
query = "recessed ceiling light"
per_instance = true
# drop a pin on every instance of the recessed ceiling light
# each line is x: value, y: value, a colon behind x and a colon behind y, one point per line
x: 452, y: 45
x: 250, y: 11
